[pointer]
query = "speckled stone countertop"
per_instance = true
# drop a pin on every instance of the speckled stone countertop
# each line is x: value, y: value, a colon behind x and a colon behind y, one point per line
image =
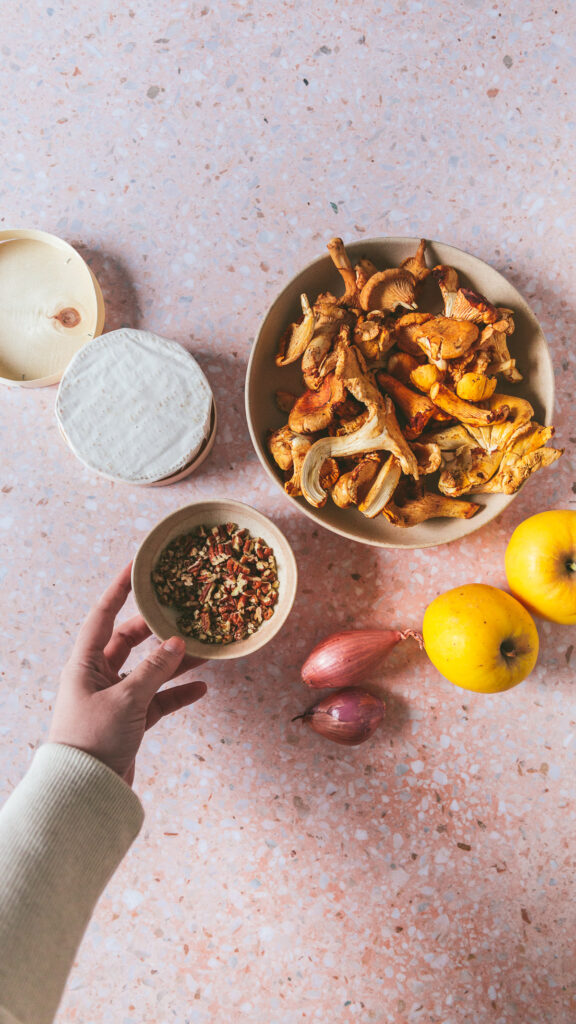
x: 197, y: 155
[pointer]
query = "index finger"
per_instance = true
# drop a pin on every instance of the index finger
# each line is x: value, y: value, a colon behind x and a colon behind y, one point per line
x: 99, y: 624
x: 124, y: 639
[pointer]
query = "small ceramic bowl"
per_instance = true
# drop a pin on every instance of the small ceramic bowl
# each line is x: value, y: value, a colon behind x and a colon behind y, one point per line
x: 162, y: 619
x: 264, y: 377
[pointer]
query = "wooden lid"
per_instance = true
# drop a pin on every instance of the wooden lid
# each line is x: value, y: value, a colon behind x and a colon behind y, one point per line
x: 50, y: 306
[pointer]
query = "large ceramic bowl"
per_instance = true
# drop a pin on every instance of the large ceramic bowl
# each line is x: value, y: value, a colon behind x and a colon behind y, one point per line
x: 162, y: 619
x: 264, y: 378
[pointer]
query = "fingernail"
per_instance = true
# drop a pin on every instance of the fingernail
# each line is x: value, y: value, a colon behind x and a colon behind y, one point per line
x: 175, y: 645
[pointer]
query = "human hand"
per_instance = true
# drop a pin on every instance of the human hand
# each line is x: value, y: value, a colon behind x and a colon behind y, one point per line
x: 105, y: 712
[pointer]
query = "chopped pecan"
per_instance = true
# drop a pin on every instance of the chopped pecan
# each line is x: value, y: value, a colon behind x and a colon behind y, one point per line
x: 222, y: 582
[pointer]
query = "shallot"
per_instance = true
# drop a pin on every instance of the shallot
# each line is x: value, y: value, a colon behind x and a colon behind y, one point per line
x: 343, y: 659
x: 350, y: 716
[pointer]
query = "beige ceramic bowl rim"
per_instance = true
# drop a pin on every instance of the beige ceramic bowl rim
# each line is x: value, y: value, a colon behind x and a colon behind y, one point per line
x: 232, y: 511
x: 303, y: 507
x: 9, y: 234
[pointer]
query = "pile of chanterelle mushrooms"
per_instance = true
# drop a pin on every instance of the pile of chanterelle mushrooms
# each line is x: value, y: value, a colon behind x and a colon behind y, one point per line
x: 401, y: 415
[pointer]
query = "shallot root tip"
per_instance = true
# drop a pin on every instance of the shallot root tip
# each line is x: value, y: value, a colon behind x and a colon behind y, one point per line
x: 407, y: 633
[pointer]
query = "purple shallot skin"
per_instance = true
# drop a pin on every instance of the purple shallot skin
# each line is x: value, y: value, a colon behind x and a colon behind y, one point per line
x: 346, y: 658
x: 350, y: 716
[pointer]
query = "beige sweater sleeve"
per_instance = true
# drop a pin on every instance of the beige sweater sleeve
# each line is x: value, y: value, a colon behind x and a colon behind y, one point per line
x: 63, y: 832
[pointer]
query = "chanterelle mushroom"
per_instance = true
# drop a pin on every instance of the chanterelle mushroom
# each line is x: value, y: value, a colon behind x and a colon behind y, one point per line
x: 494, y: 459
x: 448, y: 283
x: 450, y: 438
x: 466, y: 469
x: 353, y: 485
x: 431, y: 506
x: 473, y: 361
x: 494, y: 341
x: 515, y: 470
x: 298, y: 449
x: 401, y: 364
x: 499, y: 434
x: 381, y: 431
x: 314, y: 410
x: 429, y: 456
x: 330, y: 321
x: 416, y: 264
x: 524, y: 456
x: 316, y: 359
x: 341, y: 261
x: 475, y: 387
x: 348, y: 423
x: 367, y: 337
x: 413, y: 504
x: 364, y: 390
x: 389, y: 289
x: 442, y: 338
x: 363, y: 270
x: 416, y: 407
x: 466, y: 412
x: 280, y: 447
x: 296, y: 338
x: 382, y: 489
x: 469, y: 305
x: 425, y: 376
x: 403, y: 332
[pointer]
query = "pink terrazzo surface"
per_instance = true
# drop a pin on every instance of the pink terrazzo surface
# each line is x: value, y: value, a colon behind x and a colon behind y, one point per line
x: 198, y: 155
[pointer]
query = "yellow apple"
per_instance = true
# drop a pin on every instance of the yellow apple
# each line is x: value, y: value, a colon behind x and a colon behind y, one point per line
x: 541, y: 564
x: 480, y: 638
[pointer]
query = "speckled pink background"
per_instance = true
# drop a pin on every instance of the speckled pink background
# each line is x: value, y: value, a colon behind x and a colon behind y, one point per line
x: 198, y: 155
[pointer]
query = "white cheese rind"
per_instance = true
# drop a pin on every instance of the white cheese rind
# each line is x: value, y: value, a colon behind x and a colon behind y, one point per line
x: 134, y: 406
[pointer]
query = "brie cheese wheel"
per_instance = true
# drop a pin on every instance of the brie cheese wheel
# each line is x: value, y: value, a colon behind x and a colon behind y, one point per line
x: 134, y: 407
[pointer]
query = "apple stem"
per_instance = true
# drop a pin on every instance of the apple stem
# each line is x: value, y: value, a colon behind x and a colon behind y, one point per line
x: 507, y: 649
x: 571, y: 565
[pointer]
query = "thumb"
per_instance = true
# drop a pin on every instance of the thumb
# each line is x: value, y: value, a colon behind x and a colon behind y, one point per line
x: 157, y: 668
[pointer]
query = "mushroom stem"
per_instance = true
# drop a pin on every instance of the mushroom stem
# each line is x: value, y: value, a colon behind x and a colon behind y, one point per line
x: 341, y: 261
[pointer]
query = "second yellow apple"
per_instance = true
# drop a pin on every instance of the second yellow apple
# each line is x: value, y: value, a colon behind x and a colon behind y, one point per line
x: 480, y: 638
